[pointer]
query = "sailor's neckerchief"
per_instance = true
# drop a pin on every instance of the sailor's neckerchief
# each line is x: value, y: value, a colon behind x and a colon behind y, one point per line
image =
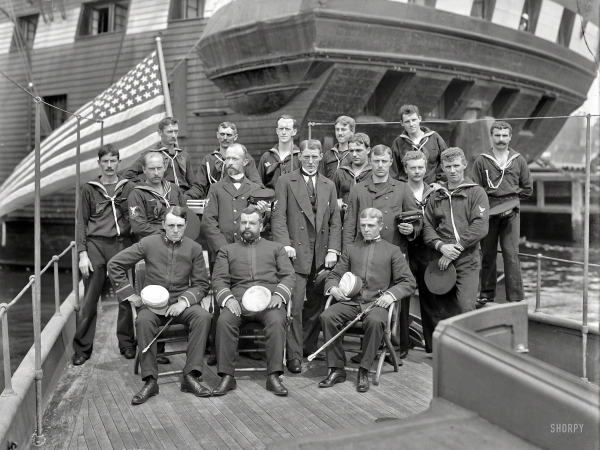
x: 110, y: 200
x: 422, y: 142
x: 337, y: 152
x: 508, y: 163
x: 219, y: 165
x: 276, y: 164
x: 444, y: 190
x: 427, y: 191
x: 166, y: 188
x: 172, y: 159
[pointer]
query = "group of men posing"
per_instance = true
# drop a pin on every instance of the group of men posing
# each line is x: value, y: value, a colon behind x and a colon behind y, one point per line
x: 371, y: 186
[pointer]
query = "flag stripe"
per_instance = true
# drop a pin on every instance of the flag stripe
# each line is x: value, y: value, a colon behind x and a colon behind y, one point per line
x: 131, y: 109
x: 90, y: 140
x: 89, y: 146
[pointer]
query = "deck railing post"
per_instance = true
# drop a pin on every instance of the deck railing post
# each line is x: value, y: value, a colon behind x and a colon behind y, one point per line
x: 8, y: 390
x: 56, y: 287
x: 586, y: 241
x: 75, y: 274
x: 36, y: 298
x: 538, y: 288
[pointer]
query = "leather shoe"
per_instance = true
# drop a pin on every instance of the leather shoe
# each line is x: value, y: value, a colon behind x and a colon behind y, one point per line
x: 163, y: 360
x: 150, y: 389
x: 254, y: 355
x: 191, y: 384
x: 129, y: 353
x: 275, y: 385
x: 362, y: 382
x: 294, y: 365
x: 356, y: 358
x: 403, y: 354
x: 79, y: 360
x: 227, y: 383
x: 336, y: 375
x: 211, y: 360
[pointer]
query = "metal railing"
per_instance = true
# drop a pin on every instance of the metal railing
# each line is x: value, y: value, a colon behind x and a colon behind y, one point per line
x: 538, y: 297
x: 35, y: 284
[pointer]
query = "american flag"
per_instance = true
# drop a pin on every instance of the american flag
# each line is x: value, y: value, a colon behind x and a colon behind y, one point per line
x: 130, y: 109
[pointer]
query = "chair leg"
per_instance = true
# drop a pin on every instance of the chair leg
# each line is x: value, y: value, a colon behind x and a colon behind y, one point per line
x: 390, y: 348
x: 136, y: 362
x: 379, y: 367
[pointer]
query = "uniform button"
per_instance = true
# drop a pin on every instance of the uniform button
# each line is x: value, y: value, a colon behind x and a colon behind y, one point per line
x: 386, y: 228
x: 242, y: 198
x: 302, y: 228
x: 235, y: 210
x: 385, y: 212
x: 302, y: 212
x: 299, y: 243
x: 386, y: 198
x: 233, y: 199
x: 235, y: 234
x: 235, y: 221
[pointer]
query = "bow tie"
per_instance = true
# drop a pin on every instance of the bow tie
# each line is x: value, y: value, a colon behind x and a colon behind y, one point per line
x: 369, y: 241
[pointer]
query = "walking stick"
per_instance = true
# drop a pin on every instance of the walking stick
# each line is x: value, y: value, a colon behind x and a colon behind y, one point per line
x: 158, y: 334
x: 342, y: 331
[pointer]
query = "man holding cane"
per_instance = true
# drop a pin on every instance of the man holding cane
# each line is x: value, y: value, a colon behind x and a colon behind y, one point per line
x: 176, y: 263
x: 382, y: 269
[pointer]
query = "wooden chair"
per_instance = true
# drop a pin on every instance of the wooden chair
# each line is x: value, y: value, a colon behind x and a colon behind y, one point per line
x: 173, y: 334
x: 390, y: 330
x: 253, y: 332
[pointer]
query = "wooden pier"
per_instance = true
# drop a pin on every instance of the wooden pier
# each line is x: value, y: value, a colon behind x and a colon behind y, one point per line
x: 558, y: 193
x: 91, y: 408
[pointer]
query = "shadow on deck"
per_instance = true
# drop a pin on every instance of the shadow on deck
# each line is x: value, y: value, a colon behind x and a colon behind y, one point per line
x: 91, y: 406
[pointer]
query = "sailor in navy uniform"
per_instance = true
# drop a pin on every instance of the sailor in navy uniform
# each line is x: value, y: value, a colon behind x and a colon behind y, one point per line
x: 212, y: 167
x: 505, y: 176
x: 149, y: 200
x: 103, y: 230
x: 283, y: 158
x: 177, y: 162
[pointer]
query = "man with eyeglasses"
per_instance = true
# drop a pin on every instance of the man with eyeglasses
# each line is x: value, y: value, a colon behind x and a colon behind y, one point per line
x: 283, y: 158
x: 306, y: 220
x: 382, y: 192
x: 213, y: 167
x: 177, y: 162
x: 339, y: 155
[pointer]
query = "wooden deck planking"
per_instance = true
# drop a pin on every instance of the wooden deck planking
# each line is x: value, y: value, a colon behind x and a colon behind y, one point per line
x: 249, y: 417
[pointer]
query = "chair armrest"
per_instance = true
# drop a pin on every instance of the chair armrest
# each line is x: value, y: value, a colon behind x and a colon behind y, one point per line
x: 391, y: 310
x: 289, y: 308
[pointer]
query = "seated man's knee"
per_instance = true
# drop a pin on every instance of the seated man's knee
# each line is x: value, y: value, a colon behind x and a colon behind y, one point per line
x: 146, y: 317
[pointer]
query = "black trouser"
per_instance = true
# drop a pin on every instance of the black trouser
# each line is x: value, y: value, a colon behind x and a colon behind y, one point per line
x: 462, y: 297
x: 337, y: 315
x: 198, y: 323
x: 303, y: 334
x: 419, y: 258
x: 100, y: 251
x: 228, y: 329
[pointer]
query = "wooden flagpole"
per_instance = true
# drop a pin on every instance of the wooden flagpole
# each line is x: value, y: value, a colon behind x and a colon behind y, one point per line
x: 163, y: 76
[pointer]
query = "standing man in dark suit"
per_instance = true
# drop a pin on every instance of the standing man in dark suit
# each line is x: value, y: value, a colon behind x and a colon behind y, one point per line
x: 386, y: 194
x: 307, y: 221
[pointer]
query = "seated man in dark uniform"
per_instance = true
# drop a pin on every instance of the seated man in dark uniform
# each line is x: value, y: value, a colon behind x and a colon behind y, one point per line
x: 176, y: 263
x: 252, y: 261
x: 386, y: 278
